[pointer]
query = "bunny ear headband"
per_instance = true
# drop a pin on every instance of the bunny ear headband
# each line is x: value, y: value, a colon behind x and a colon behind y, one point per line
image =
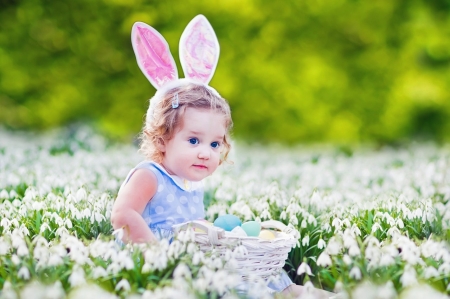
x: 199, y: 54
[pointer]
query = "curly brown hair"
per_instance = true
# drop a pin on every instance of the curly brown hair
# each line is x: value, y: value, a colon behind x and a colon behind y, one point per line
x: 162, y: 125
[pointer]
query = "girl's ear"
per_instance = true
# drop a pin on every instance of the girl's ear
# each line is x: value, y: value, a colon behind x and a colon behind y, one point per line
x: 161, y: 145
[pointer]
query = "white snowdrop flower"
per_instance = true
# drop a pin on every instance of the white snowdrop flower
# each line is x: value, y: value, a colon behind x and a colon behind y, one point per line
x: 90, y: 291
x: 386, y: 260
x: 5, y: 223
x: 355, y: 273
x: 24, y: 230
x: 44, y: 227
x: 23, y: 273
x: 125, y: 261
x: 55, y: 291
x: 312, y: 220
x: 34, y: 290
x: 55, y: 260
x: 113, y: 268
x: 283, y: 215
x: 399, y: 223
x: 240, y: 252
x: 198, y: 257
x: 366, y: 290
x: 355, y: 230
x: 80, y: 195
x: 419, y: 291
x: 305, y: 241
x: 68, y: 223
x: 147, y: 268
x: 444, y: 269
x: 76, y: 278
x: 354, y: 250
x: 347, y: 259
x: 13, y: 194
x: 4, y: 246
x: 4, y: 194
x: 430, y: 272
x: 123, y: 285
x: 333, y: 246
x: 182, y: 271
x: 376, y: 226
x: 22, y: 250
x: 346, y: 222
x: 99, y: 272
x: 304, y: 268
x: 324, y: 260
x: 393, y: 232
x: 337, y: 223
x: 293, y: 219
x: 321, y: 244
x: 304, y: 224
x: 408, y: 277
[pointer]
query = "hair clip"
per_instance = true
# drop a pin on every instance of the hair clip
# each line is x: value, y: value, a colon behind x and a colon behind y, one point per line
x: 175, y: 102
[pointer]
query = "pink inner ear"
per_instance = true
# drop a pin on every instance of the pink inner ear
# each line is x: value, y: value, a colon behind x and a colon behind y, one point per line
x: 199, y: 50
x: 153, y: 56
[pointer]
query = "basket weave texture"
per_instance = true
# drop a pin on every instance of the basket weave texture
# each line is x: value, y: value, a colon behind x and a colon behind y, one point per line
x: 264, y: 258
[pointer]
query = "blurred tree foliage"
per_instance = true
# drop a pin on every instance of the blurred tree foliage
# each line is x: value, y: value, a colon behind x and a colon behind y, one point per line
x: 293, y: 71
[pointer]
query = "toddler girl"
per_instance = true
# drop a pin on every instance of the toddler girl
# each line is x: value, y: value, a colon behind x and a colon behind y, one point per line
x: 185, y: 138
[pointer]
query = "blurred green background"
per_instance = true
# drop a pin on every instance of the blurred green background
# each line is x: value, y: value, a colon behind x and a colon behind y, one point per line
x: 340, y: 71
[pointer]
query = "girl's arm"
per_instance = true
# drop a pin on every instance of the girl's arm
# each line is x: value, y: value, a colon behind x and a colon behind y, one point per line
x: 129, y: 205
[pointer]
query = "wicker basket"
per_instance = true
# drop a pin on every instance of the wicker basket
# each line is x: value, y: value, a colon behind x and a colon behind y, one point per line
x: 264, y: 258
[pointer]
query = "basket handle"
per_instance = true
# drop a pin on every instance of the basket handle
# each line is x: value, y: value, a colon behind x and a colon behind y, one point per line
x: 214, y: 233
x: 281, y: 227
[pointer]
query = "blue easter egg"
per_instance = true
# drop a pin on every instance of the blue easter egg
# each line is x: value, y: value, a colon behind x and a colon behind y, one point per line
x: 227, y: 222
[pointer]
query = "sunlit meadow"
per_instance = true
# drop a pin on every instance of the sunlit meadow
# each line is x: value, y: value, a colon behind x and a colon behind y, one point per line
x: 374, y: 223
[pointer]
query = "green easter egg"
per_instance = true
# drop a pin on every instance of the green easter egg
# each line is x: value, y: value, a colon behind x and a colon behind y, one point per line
x: 252, y: 228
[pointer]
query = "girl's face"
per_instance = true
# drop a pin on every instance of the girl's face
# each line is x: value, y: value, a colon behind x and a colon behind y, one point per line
x: 193, y: 153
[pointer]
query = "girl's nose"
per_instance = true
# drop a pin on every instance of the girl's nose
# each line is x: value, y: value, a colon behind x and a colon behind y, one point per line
x: 204, y: 153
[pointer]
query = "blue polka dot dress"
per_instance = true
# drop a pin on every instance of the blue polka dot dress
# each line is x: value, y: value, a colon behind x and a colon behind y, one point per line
x: 176, y: 201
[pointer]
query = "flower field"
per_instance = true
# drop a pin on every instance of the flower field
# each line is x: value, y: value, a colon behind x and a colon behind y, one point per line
x: 373, y: 223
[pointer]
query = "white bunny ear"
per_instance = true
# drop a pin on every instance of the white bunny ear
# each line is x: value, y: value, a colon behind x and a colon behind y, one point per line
x: 199, y: 50
x: 153, y: 55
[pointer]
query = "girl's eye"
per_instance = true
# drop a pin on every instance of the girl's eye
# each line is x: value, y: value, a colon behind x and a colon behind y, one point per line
x: 215, y: 144
x: 193, y: 140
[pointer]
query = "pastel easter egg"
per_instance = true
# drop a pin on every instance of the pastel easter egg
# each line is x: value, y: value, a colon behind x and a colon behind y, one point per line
x: 251, y: 228
x: 204, y: 222
x: 267, y: 234
x: 239, y: 231
x: 227, y: 222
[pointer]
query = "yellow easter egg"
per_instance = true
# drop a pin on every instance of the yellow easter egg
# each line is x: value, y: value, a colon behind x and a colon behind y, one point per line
x: 267, y: 234
x: 199, y: 230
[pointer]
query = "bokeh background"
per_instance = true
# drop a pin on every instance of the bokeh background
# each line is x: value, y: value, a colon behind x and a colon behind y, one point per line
x: 342, y: 71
